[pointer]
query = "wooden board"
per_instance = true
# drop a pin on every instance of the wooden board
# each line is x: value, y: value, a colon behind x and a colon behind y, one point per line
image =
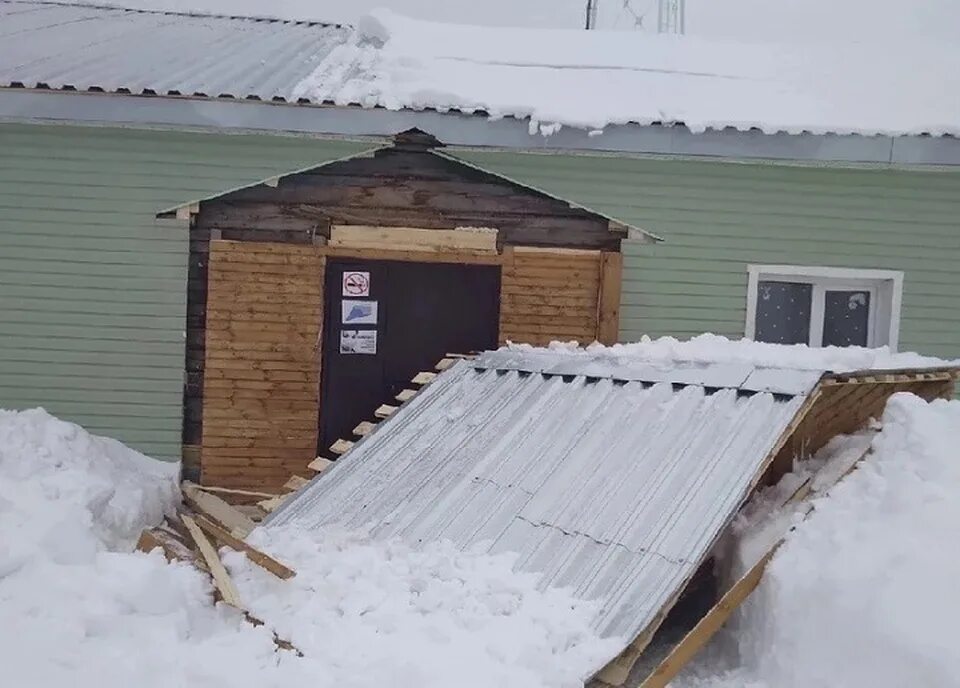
x: 549, y: 294
x: 253, y: 554
x: 269, y: 347
x: 364, y: 428
x: 221, y: 579
x: 413, y: 238
x: 218, y: 510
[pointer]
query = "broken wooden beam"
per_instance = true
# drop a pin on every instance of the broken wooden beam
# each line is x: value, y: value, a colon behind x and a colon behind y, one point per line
x: 221, y: 579
x: 210, y: 505
x: 232, y: 491
x: 253, y: 554
x: 319, y: 464
x: 423, y: 378
x: 364, y: 428
x: 385, y: 411
x: 341, y: 447
x: 295, y: 483
x: 406, y: 395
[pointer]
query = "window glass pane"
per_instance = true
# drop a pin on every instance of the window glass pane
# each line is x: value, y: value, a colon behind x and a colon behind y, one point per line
x: 846, y: 318
x: 783, y: 312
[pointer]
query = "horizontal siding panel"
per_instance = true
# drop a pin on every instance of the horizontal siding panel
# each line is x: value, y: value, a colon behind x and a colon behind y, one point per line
x: 92, y: 285
x: 717, y: 217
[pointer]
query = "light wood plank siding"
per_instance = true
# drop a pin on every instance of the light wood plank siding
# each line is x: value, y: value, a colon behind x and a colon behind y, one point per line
x: 262, y: 368
x: 717, y: 217
x: 92, y: 287
x: 548, y: 295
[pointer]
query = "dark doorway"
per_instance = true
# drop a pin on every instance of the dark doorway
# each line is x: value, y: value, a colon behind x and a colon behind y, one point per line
x: 385, y: 321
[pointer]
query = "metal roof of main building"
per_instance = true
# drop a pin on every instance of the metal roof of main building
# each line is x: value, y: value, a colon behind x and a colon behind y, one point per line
x: 114, y: 50
x: 616, y: 488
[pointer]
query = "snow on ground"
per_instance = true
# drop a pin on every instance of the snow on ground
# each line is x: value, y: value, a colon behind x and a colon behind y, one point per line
x: 80, y: 609
x: 711, y: 348
x: 590, y: 79
x: 863, y: 593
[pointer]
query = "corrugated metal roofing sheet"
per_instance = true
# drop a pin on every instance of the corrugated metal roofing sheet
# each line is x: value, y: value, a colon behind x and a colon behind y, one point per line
x: 81, y: 47
x: 616, y: 489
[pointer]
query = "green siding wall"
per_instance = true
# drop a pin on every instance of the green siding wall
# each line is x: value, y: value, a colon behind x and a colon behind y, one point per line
x: 92, y: 287
x: 717, y: 217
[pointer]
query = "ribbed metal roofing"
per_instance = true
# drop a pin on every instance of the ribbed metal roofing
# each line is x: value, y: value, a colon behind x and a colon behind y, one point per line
x: 92, y: 48
x: 616, y: 489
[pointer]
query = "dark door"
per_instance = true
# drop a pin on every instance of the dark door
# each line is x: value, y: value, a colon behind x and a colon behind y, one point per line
x: 385, y: 321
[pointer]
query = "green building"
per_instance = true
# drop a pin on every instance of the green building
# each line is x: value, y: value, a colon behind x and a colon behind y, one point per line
x: 824, y: 239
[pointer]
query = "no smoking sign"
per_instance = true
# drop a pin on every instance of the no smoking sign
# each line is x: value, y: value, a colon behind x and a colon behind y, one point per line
x: 356, y: 283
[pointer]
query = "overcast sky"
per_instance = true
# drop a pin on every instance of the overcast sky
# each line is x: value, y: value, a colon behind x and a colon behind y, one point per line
x: 749, y: 20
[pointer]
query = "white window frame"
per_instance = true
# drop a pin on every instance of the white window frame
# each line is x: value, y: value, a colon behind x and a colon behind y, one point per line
x: 886, y: 296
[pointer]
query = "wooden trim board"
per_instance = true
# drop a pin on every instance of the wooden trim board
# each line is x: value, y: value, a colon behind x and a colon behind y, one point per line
x: 476, y: 240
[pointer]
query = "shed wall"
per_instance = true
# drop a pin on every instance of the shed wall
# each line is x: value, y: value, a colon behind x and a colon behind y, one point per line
x: 92, y: 297
x: 717, y: 217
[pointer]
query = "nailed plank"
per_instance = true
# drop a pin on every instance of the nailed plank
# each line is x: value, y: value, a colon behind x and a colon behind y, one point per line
x: 231, y: 491
x: 608, y: 316
x: 253, y: 554
x: 295, y: 483
x: 221, y: 579
x: 405, y: 395
x: 319, y: 464
x: 384, y: 411
x: 364, y: 428
x: 341, y: 447
x: 217, y: 509
x: 423, y: 378
x: 413, y: 238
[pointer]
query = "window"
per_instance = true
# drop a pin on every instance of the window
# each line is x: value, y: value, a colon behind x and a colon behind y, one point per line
x: 789, y: 304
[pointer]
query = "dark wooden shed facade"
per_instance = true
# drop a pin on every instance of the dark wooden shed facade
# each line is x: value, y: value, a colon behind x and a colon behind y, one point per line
x: 266, y: 311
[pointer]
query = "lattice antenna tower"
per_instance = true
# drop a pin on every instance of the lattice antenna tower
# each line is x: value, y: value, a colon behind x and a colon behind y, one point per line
x: 671, y: 17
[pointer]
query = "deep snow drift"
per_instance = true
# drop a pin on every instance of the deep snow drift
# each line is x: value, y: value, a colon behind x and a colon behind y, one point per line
x: 863, y: 593
x: 81, y: 610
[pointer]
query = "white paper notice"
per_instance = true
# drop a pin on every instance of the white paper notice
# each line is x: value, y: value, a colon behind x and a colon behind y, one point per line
x: 358, y: 341
x: 355, y: 312
x: 356, y: 283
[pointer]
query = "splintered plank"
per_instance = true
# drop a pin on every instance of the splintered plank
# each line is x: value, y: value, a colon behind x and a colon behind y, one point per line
x: 272, y: 504
x: 210, y: 505
x: 341, y: 447
x: 423, y: 378
x: 320, y: 464
x: 406, y: 395
x: 364, y: 428
x: 221, y: 579
x: 295, y: 483
x: 172, y: 548
x: 253, y: 554
x: 385, y: 411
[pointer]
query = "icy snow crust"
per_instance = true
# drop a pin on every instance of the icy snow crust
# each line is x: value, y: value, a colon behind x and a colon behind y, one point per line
x: 80, y: 609
x: 590, y: 80
x: 863, y: 593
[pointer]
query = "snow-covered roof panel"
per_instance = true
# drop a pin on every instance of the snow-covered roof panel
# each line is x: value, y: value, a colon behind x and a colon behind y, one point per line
x: 616, y: 489
x: 83, y: 47
x: 594, y: 79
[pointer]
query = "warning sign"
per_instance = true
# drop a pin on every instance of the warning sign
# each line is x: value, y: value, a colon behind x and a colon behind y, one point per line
x: 356, y: 283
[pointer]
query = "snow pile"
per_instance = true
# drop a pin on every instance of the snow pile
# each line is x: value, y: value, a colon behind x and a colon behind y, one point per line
x: 81, y: 609
x: 382, y: 614
x: 863, y: 592
x: 592, y: 79
x: 714, y: 349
